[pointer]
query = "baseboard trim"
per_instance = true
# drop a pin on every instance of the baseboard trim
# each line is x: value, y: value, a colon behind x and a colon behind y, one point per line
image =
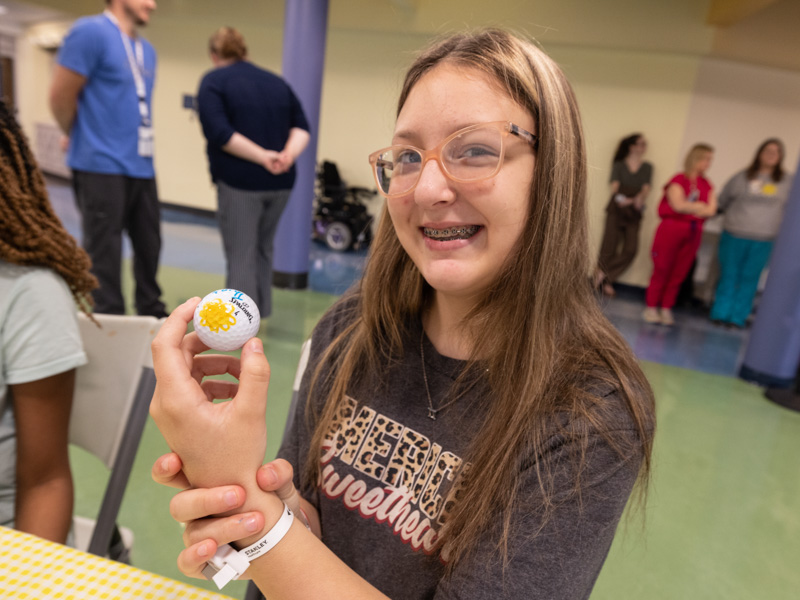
x: 290, y: 281
x: 189, y: 210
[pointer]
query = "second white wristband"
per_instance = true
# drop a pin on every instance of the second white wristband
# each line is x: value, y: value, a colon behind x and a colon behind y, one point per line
x: 271, y: 538
x: 228, y: 564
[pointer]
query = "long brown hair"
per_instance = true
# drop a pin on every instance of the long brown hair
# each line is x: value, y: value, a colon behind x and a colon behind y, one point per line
x: 755, y: 166
x: 538, y: 326
x: 624, y: 147
x: 30, y: 232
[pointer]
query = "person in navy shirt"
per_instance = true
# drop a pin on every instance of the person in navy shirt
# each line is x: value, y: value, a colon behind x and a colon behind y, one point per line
x: 101, y: 98
x: 255, y: 128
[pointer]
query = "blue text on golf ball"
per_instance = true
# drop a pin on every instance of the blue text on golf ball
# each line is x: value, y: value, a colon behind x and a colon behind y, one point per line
x: 225, y: 319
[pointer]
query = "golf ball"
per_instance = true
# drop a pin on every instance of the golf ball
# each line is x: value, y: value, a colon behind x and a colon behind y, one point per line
x: 225, y: 319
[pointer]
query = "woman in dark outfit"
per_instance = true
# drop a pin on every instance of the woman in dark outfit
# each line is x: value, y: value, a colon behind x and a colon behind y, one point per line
x: 255, y: 129
x: 630, y: 184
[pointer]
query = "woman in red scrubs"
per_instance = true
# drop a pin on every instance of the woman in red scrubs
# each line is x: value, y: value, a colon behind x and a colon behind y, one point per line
x: 688, y: 200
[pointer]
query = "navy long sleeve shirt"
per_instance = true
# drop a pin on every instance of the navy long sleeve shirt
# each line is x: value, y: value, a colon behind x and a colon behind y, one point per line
x: 259, y: 105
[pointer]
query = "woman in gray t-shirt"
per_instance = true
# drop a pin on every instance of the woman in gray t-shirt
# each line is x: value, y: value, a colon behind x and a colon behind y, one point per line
x: 630, y: 184
x: 753, y: 202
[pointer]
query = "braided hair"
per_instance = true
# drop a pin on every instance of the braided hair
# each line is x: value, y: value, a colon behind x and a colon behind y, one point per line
x: 30, y: 232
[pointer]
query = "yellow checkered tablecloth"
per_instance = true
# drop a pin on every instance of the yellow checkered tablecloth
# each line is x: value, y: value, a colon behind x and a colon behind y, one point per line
x: 35, y: 569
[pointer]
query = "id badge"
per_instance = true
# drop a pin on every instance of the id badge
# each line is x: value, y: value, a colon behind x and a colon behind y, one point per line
x: 145, y: 141
x: 769, y: 189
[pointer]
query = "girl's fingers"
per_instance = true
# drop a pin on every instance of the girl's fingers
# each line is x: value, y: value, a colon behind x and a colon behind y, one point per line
x: 172, y: 335
x: 204, y: 536
x: 193, y: 504
x: 216, y: 389
x: 174, y: 394
x: 168, y: 470
x: 223, y: 530
x: 277, y: 476
x: 215, y: 364
x: 191, y: 345
x: 254, y: 380
x: 192, y: 560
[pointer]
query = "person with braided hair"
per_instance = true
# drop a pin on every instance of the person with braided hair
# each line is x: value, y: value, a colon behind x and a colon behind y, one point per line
x: 43, y: 274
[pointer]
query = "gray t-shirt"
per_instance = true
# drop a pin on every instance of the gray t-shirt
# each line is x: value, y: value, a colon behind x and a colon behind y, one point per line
x: 754, y: 207
x: 387, y: 479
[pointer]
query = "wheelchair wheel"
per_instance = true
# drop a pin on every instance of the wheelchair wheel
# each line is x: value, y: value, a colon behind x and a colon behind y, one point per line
x: 338, y: 236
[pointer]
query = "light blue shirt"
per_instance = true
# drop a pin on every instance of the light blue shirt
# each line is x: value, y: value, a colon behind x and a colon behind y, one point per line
x: 105, y: 135
x: 39, y: 338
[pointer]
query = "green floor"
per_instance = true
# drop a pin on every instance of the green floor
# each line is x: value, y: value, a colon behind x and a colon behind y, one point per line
x: 723, y: 513
x: 723, y: 516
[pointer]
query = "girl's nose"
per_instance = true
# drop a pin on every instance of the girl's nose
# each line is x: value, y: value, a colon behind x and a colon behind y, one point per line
x: 433, y: 186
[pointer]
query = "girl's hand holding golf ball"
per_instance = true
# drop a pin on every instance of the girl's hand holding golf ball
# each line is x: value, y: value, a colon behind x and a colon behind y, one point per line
x: 218, y: 443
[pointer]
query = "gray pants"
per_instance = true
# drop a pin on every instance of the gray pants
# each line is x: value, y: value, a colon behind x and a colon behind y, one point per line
x: 248, y: 221
x: 109, y: 205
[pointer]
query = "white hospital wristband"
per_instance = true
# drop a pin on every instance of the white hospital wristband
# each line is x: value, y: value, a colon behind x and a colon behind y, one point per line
x: 228, y: 564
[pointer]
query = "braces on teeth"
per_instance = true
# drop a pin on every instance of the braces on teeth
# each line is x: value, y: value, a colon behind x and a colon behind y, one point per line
x: 453, y: 231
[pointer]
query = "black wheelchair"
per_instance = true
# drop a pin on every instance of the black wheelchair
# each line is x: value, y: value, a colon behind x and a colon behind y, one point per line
x: 340, y: 217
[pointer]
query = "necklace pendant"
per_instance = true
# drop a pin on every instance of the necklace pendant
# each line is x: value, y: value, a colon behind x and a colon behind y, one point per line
x: 431, y: 414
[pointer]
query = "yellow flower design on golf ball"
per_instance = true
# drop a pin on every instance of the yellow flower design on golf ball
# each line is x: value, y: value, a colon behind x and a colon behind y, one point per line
x: 217, y: 314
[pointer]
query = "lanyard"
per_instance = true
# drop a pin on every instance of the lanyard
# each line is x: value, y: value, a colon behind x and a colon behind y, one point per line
x: 137, y: 67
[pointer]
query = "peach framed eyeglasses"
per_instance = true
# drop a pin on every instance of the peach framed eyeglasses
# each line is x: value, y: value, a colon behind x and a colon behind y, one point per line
x: 471, y: 154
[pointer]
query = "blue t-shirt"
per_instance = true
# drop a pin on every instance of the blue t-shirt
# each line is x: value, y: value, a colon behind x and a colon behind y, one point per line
x: 256, y: 103
x: 105, y: 135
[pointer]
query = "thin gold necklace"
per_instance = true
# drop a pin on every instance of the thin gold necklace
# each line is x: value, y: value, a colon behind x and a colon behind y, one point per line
x: 432, y: 412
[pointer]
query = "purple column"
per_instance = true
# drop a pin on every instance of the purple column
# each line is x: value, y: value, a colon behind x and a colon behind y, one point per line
x: 304, y: 36
x: 773, y: 352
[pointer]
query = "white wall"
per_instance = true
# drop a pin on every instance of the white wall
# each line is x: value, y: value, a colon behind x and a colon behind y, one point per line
x: 363, y: 72
x: 736, y: 106
x: 182, y: 45
x: 32, y: 73
x: 625, y: 92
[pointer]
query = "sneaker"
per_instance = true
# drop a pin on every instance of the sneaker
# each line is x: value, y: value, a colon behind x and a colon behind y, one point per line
x: 650, y: 315
x: 667, y: 318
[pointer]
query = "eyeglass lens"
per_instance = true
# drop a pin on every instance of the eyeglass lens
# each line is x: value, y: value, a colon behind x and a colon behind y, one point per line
x: 470, y: 156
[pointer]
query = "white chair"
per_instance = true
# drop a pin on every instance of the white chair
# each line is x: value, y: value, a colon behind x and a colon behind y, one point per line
x: 109, y: 411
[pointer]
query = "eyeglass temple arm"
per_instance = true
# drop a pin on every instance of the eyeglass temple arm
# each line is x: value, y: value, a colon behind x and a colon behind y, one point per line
x: 525, y: 135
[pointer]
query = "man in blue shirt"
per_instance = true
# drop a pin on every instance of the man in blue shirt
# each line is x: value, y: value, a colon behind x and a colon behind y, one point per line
x: 101, y: 98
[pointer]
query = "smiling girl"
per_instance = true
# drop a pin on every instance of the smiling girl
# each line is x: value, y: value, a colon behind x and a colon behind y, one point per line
x: 468, y: 425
